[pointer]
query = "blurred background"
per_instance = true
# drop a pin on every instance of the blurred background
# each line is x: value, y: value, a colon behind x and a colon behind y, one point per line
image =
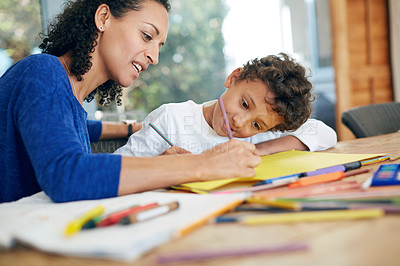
x: 208, y: 39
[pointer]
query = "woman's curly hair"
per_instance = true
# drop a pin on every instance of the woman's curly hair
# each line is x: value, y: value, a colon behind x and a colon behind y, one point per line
x: 75, y: 29
x: 287, y: 79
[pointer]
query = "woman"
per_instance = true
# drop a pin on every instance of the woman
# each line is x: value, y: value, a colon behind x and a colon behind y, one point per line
x: 94, y: 47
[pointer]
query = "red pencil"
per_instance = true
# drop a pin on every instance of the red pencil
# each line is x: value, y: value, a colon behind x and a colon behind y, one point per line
x: 117, y: 216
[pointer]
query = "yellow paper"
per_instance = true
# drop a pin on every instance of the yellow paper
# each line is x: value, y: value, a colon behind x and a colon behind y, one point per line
x: 287, y: 163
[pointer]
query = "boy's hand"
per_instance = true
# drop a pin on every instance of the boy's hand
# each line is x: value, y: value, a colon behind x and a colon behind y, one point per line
x: 175, y: 150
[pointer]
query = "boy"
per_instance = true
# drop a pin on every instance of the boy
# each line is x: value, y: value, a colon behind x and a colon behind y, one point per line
x: 268, y: 103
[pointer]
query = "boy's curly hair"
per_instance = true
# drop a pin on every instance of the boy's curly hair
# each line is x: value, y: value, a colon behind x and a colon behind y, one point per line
x: 75, y: 29
x: 287, y: 79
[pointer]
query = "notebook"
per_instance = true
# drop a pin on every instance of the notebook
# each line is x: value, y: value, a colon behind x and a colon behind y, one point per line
x: 38, y: 222
x: 286, y: 163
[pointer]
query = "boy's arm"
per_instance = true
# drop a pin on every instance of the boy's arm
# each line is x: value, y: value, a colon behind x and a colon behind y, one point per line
x: 313, y: 135
x: 285, y: 143
x: 316, y: 135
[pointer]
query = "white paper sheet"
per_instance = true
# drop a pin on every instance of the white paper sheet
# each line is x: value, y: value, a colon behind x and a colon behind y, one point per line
x: 38, y: 222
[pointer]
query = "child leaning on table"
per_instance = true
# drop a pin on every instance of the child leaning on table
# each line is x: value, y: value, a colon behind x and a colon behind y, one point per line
x: 268, y: 103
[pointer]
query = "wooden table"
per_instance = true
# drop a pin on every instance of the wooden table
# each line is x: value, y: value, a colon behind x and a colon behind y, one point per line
x: 358, y: 242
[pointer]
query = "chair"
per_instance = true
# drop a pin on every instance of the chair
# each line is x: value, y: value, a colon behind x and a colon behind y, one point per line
x: 373, y: 120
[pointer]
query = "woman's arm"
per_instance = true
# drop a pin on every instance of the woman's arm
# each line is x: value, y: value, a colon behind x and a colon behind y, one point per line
x: 111, y: 130
x: 231, y: 159
x: 114, y: 130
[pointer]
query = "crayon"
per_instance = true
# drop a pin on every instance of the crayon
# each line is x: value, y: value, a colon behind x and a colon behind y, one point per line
x: 76, y: 225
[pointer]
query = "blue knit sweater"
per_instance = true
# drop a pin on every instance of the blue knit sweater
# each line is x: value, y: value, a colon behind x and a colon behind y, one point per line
x: 45, y: 140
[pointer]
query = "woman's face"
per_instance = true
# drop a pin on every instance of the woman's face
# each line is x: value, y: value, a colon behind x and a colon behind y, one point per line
x: 129, y: 44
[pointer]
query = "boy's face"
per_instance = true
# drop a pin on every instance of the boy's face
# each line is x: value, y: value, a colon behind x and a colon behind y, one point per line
x: 247, y: 108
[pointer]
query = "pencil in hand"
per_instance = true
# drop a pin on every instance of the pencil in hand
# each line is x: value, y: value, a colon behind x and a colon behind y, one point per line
x: 161, y: 134
x: 222, y: 107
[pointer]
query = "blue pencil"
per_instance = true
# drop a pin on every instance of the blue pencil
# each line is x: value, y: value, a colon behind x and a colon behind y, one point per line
x: 161, y: 134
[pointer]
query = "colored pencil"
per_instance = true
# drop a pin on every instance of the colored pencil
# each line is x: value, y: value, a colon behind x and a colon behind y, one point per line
x: 194, y: 190
x: 76, y: 225
x: 325, y: 178
x: 368, y: 194
x: 228, y: 127
x: 231, y: 252
x: 313, y: 216
x: 293, y: 177
x: 115, y: 217
x: 276, y: 203
x: 387, y: 208
x: 184, y: 231
x: 277, y: 183
x: 367, y: 183
x: 321, y: 205
x: 375, y: 160
x: 395, y: 158
x: 161, y: 134
x: 321, y: 189
x: 150, y: 213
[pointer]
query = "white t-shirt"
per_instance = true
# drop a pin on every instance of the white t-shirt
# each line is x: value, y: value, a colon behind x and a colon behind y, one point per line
x: 186, y: 127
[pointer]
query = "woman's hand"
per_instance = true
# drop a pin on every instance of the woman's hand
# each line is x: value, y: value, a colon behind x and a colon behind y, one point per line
x: 234, y: 158
x: 175, y: 150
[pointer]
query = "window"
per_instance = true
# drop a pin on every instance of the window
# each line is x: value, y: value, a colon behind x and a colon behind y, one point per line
x: 301, y: 28
x: 203, y: 46
x: 192, y: 62
x: 311, y: 38
x: 20, y: 23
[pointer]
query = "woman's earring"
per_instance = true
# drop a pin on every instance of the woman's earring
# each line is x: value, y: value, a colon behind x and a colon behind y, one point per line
x: 101, y: 28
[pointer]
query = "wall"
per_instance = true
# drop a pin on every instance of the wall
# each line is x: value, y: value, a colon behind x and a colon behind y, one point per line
x: 394, y: 12
x: 361, y: 55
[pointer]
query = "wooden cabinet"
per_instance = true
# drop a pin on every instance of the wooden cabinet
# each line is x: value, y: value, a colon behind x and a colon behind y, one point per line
x: 361, y: 55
